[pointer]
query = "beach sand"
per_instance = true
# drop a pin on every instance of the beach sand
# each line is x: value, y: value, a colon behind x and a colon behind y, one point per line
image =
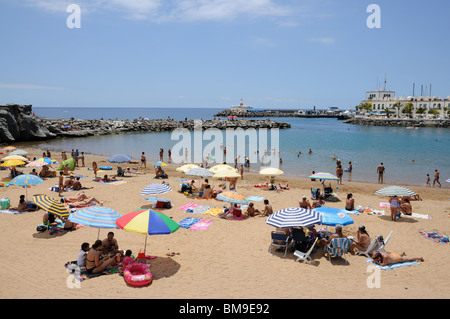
x: 228, y: 260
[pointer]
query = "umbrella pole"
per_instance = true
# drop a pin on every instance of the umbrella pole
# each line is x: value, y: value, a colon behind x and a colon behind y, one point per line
x: 145, y: 246
x: 98, y: 235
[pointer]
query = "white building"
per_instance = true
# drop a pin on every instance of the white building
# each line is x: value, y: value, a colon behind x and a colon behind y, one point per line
x: 382, y: 100
x: 241, y: 106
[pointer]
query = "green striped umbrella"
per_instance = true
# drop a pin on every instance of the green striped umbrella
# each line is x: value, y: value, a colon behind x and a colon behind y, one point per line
x: 51, y: 205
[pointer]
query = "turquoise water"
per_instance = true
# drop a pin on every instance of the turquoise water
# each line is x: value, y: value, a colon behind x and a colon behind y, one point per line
x: 365, y: 146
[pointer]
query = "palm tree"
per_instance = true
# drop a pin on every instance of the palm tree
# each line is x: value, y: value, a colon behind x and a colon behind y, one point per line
x: 408, y: 109
x: 397, y: 105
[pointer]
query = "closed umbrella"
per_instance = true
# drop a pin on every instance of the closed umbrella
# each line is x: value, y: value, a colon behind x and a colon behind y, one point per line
x: 51, y: 205
x: 395, y: 191
x: 25, y: 180
x: 119, y: 158
x: 96, y: 216
x: 294, y: 217
x: 333, y: 216
x: 148, y: 222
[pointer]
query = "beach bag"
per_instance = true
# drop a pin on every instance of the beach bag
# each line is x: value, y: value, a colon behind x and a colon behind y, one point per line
x: 41, y: 228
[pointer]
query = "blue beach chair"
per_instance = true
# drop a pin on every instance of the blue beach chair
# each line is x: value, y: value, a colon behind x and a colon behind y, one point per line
x: 338, y: 247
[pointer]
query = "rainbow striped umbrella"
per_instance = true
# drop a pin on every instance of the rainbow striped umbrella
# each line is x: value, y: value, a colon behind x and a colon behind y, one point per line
x: 51, y: 205
x: 36, y: 164
x: 324, y: 176
x: 148, y: 222
x: 96, y: 216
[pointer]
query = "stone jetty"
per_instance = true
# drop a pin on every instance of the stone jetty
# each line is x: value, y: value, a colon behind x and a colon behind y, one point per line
x: 17, y: 123
x: 276, y: 113
x: 405, y: 122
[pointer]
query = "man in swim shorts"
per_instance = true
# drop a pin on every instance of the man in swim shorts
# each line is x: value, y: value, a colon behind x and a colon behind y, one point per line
x: 436, y: 178
x: 384, y: 259
x: 380, y: 171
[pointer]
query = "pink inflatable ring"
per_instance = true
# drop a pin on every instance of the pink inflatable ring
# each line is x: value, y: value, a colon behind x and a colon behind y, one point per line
x: 138, y: 274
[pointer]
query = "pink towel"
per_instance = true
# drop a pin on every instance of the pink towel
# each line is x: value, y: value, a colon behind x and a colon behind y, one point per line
x: 202, y: 224
x: 188, y: 206
x: 385, y: 205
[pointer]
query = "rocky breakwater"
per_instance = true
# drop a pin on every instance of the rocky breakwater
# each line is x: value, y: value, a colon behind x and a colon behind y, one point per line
x: 407, y: 122
x: 17, y: 124
x: 82, y: 128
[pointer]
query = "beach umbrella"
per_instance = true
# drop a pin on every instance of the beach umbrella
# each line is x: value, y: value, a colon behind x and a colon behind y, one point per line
x: 10, y: 163
x: 47, y: 160
x: 219, y: 167
x: 186, y: 167
x: 36, y: 164
x: 156, y: 189
x: 200, y: 172
x: 395, y: 191
x: 119, y: 158
x: 294, y: 217
x: 25, y: 180
x: 159, y: 164
x: 333, y: 216
x: 8, y: 149
x: 227, y: 173
x: 271, y: 171
x: 18, y: 152
x: 324, y: 176
x: 148, y: 222
x: 69, y: 162
x: 14, y: 157
x: 51, y: 205
x: 96, y: 216
x: 232, y: 197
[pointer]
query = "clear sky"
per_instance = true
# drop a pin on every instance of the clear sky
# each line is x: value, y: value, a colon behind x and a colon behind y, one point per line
x: 210, y: 53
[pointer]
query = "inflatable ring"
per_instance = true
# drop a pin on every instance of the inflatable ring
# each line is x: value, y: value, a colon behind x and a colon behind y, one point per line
x: 106, y: 168
x: 138, y: 274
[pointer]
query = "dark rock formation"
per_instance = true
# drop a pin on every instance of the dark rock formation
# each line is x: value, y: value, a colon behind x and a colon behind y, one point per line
x: 400, y: 122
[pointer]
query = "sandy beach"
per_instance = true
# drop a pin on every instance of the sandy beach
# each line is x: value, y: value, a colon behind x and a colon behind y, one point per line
x: 230, y: 259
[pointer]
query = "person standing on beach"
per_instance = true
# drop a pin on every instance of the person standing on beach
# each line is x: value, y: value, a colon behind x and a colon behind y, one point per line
x: 143, y: 160
x: 161, y: 154
x: 61, y: 183
x: 428, y: 184
x: 380, y: 171
x: 339, y: 173
x: 436, y: 178
x: 82, y: 159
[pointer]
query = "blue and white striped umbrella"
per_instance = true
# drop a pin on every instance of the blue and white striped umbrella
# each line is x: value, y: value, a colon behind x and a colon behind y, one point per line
x: 156, y: 189
x: 96, y: 216
x: 199, y: 171
x: 395, y: 191
x: 294, y: 217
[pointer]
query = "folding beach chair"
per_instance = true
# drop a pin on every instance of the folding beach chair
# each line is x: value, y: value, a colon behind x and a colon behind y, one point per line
x: 338, y: 247
x: 305, y: 256
x: 375, y: 245
x: 280, y: 240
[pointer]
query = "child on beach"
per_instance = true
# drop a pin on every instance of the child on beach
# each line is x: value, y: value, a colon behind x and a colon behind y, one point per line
x: 127, y: 259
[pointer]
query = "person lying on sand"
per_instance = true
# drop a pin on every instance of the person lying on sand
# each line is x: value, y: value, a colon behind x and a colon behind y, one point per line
x: 384, y: 259
x: 80, y: 199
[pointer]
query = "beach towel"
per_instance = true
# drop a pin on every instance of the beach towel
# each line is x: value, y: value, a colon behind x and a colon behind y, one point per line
x: 415, y: 215
x: 81, y: 274
x: 188, y: 222
x: 213, y: 211
x: 436, y: 237
x: 352, y: 212
x: 199, y: 209
x: 254, y: 198
x: 11, y: 211
x: 187, y: 206
x: 393, y: 266
x: 112, y: 182
x: 203, y: 224
x: 385, y: 205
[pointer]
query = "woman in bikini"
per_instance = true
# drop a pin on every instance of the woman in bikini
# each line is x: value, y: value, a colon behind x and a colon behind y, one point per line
x: 384, y: 259
x: 395, y: 204
x: 93, y: 263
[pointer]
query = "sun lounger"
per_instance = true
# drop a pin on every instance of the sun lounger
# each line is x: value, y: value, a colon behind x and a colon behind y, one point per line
x: 305, y: 256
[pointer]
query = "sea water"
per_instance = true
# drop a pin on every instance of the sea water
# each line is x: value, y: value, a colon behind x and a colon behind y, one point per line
x: 408, y: 155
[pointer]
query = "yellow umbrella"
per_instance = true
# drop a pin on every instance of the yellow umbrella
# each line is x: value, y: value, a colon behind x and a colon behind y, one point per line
x: 14, y: 157
x: 186, y: 167
x: 227, y: 173
x: 12, y: 163
x: 220, y: 167
x: 271, y: 171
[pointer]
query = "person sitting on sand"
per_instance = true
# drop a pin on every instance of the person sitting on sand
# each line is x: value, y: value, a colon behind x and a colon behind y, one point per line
x: 66, y: 170
x: 304, y: 203
x: 337, y: 234
x: 93, y: 263
x: 127, y: 260
x: 23, y: 207
x: 49, y: 219
x: 350, y: 202
x: 110, y: 245
x: 81, y: 259
x: 45, y: 172
x: 319, y: 202
x: 208, y: 192
x: 406, y: 207
x: 33, y: 172
x: 267, y: 208
x: 362, y: 241
x: 252, y: 211
x: 69, y: 183
x: 68, y: 225
x: 384, y: 259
